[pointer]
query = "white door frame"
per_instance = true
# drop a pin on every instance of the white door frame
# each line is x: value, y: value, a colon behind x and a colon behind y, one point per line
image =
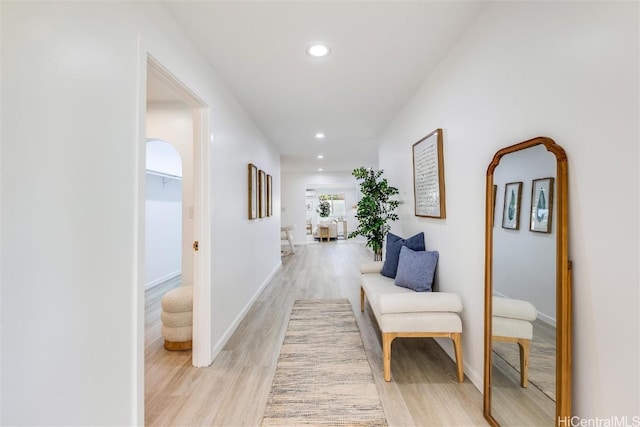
x: 201, y: 353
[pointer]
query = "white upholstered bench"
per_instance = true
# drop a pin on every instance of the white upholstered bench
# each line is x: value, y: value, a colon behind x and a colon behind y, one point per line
x: 511, y: 322
x: 402, y: 312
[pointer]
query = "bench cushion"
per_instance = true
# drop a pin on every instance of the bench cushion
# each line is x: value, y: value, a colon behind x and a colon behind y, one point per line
x: 385, y: 297
x: 426, y: 322
x: 371, y: 267
x: 511, y: 328
x: 514, y: 309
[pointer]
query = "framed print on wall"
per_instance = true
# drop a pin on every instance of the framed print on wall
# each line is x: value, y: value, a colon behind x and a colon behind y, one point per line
x: 262, y: 194
x: 428, y: 176
x: 253, y: 191
x: 495, y: 193
x: 541, y: 205
x: 269, y: 195
x: 511, y: 210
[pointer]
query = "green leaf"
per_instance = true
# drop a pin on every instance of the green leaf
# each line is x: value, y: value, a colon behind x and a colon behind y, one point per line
x: 542, y: 206
x: 512, y: 206
x: 375, y: 209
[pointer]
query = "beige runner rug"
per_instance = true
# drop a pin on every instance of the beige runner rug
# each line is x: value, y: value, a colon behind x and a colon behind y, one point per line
x: 323, y: 377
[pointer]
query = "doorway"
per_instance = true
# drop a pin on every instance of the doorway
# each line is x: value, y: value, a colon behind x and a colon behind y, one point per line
x: 167, y: 96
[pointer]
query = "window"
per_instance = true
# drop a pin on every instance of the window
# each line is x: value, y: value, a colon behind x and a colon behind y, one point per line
x: 338, y: 207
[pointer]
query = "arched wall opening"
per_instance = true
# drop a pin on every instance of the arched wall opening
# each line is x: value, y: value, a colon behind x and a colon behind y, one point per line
x: 164, y: 220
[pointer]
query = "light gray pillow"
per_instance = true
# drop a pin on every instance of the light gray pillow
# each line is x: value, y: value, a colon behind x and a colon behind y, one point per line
x: 416, y: 269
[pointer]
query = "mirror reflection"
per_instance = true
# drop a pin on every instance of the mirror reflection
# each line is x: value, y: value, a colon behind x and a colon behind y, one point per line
x: 523, y: 342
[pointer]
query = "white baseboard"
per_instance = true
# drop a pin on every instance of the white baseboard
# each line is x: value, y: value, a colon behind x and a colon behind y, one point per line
x: 476, y: 379
x: 162, y: 279
x: 547, y: 319
x: 219, y: 345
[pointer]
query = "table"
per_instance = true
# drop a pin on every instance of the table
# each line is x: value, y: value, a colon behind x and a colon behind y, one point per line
x: 344, y: 228
x: 323, y: 231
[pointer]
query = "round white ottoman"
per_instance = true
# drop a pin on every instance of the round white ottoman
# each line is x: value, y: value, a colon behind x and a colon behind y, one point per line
x: 177, y: 318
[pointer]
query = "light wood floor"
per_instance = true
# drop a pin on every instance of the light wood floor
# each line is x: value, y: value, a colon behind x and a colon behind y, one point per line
x: 233, y: 391
x: 511, y: 403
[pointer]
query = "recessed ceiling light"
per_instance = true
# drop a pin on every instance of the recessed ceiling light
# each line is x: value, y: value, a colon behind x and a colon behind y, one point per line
x: 320, y: 156
x: 318, y: 50
x: 320, y: 169
x: 319, y: 135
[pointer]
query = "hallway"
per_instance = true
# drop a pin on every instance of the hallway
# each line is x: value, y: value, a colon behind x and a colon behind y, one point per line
x: 233, y: 391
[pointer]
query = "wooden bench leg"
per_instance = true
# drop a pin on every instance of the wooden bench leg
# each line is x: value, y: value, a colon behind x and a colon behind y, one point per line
x: 524, y: 361
x: 361, y: 299
x: 457, y: 346
x: 387, y: 339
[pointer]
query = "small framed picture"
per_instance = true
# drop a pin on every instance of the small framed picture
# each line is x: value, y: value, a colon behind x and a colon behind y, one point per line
x: 511, y: 210
x: 269, y: 195
x: 493, y: 212
x: 541, y: 205
x: 253, y: 191
x: 262, y: 194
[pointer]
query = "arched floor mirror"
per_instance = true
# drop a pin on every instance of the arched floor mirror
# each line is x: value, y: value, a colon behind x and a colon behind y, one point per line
x: 527, y: 372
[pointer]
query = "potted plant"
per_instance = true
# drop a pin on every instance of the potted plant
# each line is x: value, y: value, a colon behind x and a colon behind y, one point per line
x: 375, y: 208
x: 324, y: 209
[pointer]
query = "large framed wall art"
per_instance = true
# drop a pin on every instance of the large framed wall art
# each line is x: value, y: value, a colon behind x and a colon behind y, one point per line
x: 428, y: 176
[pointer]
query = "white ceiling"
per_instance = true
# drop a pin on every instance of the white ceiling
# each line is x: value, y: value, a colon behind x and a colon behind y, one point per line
x: 380, y: 54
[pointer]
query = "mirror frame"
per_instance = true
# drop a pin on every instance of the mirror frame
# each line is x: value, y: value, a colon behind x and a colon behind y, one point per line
x: 563, y: 279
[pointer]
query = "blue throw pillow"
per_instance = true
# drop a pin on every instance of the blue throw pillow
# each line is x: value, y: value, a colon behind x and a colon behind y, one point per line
x: 416, y: 269
x: 394, y: 244
x: 390, y: 266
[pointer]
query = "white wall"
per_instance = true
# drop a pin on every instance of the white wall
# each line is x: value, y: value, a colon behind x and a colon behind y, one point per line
x: 565, y: 70
x: 524, y: 261
x: 173, y: 123
x: 161, y: 156
x: 163, y: 229
x: 72, y: 135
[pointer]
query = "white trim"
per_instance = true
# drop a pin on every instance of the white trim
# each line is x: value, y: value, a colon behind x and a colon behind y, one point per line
x: 217, y: 348
x: 162, y: 279
x: 547, y: 319
x: 172, y: 82
x: 202, y: 303
x: 447, y: 345
x: 139, y: 252
x: 200, y: 354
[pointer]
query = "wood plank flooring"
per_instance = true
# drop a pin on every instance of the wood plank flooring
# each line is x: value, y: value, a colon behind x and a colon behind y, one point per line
x: 511, y: 403
x: 233, y: 391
